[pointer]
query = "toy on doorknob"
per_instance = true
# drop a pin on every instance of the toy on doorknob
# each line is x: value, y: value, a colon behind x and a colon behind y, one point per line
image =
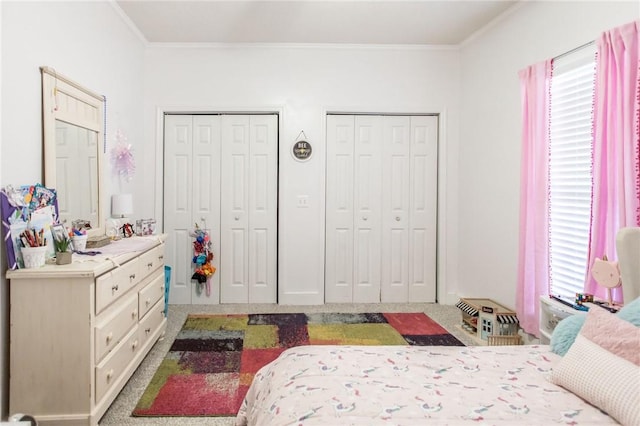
x: 202, y: 257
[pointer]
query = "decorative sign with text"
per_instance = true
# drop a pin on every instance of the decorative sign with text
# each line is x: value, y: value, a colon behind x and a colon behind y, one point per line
x: 302, y: 150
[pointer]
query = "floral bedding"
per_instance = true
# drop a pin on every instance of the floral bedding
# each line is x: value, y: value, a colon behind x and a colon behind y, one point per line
x: 413, y: 385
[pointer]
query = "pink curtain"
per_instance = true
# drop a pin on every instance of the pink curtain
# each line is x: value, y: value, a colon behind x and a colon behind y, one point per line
x: 533, y: 257
x: 616, y: 145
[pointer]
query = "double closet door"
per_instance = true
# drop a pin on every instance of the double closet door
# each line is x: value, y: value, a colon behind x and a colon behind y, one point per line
x: 220, y: 172
x: 381, y: 207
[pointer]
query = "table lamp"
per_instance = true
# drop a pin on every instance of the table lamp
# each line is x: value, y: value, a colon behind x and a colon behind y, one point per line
x: 121, y: 205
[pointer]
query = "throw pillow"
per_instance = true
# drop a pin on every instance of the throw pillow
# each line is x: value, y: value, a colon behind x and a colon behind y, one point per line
x: 602, y: 366
x: 631, y: 312
x: 565, y: 333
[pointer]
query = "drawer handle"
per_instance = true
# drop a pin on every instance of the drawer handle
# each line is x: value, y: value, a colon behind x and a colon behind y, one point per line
x: 134, y: 345
x: 134, y: 313
x: 132, y: 277
x: 109, y: 375
x: 161, y: 257
x: 147, y: 302
x: 147, y: 330
x: 114, y: 287
x: 150, y: 264
x: 109, y: 338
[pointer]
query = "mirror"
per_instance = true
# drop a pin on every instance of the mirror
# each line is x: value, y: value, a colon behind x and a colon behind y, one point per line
x: 73, y: 155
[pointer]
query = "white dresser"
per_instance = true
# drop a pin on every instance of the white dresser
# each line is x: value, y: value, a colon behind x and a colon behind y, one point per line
x: 79, y: 331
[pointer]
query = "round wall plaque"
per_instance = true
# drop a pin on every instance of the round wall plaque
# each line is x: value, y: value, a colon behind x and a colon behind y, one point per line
x: 302, y: 150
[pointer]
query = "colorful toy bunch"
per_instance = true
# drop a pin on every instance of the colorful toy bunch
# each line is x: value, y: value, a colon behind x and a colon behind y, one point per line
x: 202, y: 258
x: 583, y: 298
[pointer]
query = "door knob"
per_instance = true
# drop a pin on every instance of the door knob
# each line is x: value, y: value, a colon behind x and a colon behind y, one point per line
x: 364, y: 218
x: 237, y: 218
x: 397, y: 218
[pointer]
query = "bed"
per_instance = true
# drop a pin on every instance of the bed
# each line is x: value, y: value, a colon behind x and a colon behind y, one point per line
x: 596, y: 381
x: 360, y: 385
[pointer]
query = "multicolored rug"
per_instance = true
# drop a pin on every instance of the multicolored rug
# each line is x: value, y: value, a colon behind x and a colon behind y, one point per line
x: 213, y: 359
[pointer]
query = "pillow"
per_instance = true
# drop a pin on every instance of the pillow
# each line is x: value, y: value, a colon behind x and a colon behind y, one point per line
x: 565, y: 333
x: 602, y: 366
x: 631, y: 312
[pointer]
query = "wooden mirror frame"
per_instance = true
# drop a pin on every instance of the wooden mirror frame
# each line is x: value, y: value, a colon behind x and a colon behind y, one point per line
x: 65, y: 100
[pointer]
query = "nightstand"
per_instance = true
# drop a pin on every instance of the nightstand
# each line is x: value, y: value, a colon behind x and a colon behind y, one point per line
x: 551, y: 313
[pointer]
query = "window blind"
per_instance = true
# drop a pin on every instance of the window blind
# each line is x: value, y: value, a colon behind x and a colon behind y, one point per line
x: 570, y: 170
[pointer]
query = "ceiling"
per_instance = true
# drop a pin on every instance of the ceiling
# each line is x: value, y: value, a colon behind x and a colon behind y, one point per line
x: 417, y: 22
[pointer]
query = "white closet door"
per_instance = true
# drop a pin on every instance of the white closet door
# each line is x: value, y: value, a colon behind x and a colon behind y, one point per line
x: 367, y: 214
x: 339, y: 209
x: 381, y: 209
x: 206, y: 196
x: 423, y: 217
x: 248, y: 209
x: 234, y: 268
x: 263, y: 216
x: 178, y: 181
x: 395, y: 208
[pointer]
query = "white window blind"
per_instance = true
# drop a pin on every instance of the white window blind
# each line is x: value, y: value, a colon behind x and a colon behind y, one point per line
x: 570, y: 171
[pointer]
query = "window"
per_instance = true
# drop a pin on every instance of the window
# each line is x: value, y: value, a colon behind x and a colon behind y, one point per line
x: 570, y: 170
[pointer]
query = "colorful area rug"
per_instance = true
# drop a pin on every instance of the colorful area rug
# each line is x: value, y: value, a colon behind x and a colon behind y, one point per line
x: 213, y: 359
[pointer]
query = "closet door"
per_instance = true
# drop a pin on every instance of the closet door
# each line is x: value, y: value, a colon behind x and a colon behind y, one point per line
x: 248, y: 209
x: 396, y: 148
x: 192, y: 195
x: 178, y: 197
x: 367, y: 214
x: 423, y: 191
x: 339, y: 209
x: 352, y: 271
x: 381, y: 205
x: 206, y: 197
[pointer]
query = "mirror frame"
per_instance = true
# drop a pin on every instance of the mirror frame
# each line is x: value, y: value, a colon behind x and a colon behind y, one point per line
x: 65, y: 100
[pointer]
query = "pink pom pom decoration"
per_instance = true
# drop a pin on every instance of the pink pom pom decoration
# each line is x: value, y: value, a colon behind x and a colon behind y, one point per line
x: 122, y: 159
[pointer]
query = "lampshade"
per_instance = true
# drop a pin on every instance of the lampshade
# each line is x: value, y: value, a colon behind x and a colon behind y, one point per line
x: 121, y: 205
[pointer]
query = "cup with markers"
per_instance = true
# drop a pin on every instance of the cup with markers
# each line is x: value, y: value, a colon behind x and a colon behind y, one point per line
x: 34, y: 248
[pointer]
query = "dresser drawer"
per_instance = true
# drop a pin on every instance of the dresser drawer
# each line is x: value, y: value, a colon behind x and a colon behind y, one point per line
x: 111, y: 330
x: 151, y: 322
x: 114, y: 284
x: 113, y: 366
x: 151, y: 293
x: 151, y: 260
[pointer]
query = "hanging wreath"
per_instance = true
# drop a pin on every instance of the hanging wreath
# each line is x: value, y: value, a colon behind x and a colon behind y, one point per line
x: 202, y: 257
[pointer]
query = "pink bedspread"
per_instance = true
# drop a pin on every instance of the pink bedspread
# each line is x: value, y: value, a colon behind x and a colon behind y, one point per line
x: 413, y: 385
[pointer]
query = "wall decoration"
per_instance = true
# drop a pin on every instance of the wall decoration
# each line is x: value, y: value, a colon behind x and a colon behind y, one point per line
x: 122, y: 160
x: 302, y: 148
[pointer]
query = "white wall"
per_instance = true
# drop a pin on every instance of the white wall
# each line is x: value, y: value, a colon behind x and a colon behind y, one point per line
x: 303, y: 83
x: 86, y: 41
x: 490, y: 132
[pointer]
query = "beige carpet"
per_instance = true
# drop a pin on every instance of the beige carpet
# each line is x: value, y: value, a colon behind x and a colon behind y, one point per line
x: 120, y: 411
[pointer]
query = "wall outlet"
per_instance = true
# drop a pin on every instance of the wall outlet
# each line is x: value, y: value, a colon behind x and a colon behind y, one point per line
x: 303, y: 201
